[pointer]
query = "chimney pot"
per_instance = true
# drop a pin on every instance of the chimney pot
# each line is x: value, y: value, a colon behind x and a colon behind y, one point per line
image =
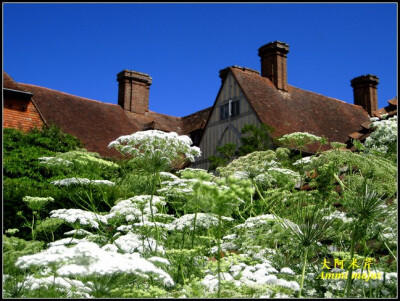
x: 365, y: 92
x: 133, y: 91
x: 274, y: 63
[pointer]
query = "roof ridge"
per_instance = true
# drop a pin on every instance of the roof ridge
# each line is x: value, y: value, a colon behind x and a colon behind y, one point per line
x: 332, y: 98
x: 162, y: 114
x: 68, y: 94
x: 200, y: 111
x: 336, y: 99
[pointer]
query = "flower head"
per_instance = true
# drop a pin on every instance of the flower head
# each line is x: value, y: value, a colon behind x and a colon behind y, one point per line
x: 156, y: 149
x: 37, y: 203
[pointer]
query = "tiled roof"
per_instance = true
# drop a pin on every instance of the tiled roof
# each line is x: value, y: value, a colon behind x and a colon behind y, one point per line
x: 10, y: 83
x: 96, y: 123
x: 389, y: 110
x: 298, y: 110
x: 196, y: 120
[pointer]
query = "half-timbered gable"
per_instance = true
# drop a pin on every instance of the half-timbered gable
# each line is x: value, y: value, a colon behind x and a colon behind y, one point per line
x: 231, y: 111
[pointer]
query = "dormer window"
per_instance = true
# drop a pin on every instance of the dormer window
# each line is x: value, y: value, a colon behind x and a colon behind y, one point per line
x: 229, y: 109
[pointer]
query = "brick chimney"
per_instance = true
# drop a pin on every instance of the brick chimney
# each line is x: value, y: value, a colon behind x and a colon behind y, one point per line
x: 133, y: 91
x: 273, y: 63
x: 365, y: 95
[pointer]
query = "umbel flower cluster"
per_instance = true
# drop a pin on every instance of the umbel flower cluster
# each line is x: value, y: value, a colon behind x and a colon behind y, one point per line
x: 162, y: 149
x: 249, y: 231
x: 78, y: 157
x: 384, y: 137
x: 37, y: 203
x: 88, y: 259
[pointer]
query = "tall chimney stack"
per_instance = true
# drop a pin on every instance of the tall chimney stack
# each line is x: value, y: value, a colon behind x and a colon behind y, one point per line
x: 133, y: 91
x: 365, y: 92
x: 273, y: 63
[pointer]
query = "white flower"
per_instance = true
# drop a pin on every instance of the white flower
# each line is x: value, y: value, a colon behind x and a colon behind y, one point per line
x: 211, y: 282
x: 285, y: 171
x: 78, y: 232
x: 287, y: 271
x: 203, y: 220
x: 338, y: 215
x: 84, y: 218
x: 65, y: 242
x: 167, y: 176
x: 130, y: 243
x: 87, y: 258
x: 257, y: 221
x: 155, y: 143
x: 73, y: 288
x: 54, y: 161
x: 81, y: 181
x: 131, y: 209
x: 305, y: 160
x: 229, y: 237
x: 156, y: 259
x: 384, y: 136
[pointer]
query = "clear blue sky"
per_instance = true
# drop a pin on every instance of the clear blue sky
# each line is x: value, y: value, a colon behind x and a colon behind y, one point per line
x: 79, y: 48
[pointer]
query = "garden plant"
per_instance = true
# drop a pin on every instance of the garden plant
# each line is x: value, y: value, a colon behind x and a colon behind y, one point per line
x: 267, y: 223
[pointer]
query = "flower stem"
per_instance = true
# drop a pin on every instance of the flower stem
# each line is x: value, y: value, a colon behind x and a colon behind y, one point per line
x: 194, y: 228
x: 151, y: 206
x: 348, y: 284
x: 303, y: 272
x: 219, y: 255
x: 33, y: 224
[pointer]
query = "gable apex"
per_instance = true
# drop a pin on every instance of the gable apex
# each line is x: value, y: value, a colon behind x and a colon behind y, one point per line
x: 223, y: 72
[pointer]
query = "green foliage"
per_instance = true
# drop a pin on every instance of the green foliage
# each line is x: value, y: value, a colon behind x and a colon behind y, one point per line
x: 48, y: 227
x: 22, y: 173
x: 145, y: 291
x: 80, y: 163
x: 253, y: 164
x: 226, y: 154
x: 300, y: 140
x: 381, y: 173
x: 213, y: 235
x: 255, y: 138
x: 13, y: 248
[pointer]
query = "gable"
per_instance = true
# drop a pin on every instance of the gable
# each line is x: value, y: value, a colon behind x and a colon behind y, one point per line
x: 19, y: 111
x: 219, y: 131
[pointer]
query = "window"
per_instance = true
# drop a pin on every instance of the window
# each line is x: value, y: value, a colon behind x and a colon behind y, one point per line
x: 231, y: 108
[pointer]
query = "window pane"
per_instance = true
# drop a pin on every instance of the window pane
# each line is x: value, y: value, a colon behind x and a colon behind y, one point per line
x: 224, y: 111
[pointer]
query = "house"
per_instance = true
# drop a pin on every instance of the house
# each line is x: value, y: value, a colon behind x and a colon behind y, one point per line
x: 95, y: 123
x: 19, y: 109
x: 246, y: 96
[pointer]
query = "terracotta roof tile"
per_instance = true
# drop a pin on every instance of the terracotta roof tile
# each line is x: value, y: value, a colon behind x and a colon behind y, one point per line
x: 10, y: 83
x: 298, y: 110
x: 196, y: 120
x: 390, y: 109
x: 95, y: 123
x: 366, y: 125
x: 356, y: 135
x: 393, y: 101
